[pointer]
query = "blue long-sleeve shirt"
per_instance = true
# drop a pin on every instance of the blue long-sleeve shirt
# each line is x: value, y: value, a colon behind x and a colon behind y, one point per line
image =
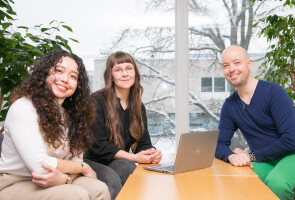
x: 267, y: 123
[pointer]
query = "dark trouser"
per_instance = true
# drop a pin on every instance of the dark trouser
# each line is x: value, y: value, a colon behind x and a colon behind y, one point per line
x: 114, y: 174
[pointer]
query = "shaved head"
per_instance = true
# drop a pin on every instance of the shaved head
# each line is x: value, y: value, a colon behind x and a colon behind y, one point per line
x: 236, y: 66
x: 236, y: 50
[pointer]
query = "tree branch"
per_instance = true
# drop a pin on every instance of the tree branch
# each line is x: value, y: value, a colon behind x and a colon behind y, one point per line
x: 228, y: 11
x: 162, y: 114
x: 205, y: 48
x: 158, y: 77
x: 243, y: 22
x: 267, y: 12
x: 195, y: 101
x: 250, y: 26
x: 215, y: 38
x: 159, y: 99
x: 256, y: 10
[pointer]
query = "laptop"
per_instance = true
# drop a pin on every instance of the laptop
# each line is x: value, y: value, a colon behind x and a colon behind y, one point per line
x: 195, y: 151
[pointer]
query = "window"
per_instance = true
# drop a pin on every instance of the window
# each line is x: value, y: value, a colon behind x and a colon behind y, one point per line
x: 150, y: 38
x: 206, y: 84
x: 220, y: 85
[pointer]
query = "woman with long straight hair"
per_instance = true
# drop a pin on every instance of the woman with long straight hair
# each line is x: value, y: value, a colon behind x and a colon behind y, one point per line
x: 46, y: 131
x: 120, y: 125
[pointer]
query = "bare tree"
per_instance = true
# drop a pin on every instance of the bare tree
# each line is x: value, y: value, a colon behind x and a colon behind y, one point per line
x: 233, y: 28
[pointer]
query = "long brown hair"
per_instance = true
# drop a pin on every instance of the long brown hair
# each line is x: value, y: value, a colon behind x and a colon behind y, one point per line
x: 113, y: 125
x: 79, y: 107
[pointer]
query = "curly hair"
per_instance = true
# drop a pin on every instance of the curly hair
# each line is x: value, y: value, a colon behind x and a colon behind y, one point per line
x: 113, y: 125
x: 79, y: 107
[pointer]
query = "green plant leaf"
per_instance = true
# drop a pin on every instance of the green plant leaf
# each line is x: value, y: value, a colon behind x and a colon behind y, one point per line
x: 74, y: 40
x: 23, y: 27
x: 44, y: 29
x: 14, y: 43
x: 6, y: 25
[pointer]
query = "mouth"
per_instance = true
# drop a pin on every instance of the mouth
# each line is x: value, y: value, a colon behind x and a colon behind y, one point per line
x: 234, y: 76
x: 61, y: 86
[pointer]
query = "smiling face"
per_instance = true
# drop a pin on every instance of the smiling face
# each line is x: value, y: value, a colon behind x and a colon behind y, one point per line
x: 236, y: 66
x: 63, y: 78
x: 123, y: 76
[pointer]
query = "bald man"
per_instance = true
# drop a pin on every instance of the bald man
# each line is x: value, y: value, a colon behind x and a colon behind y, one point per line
x: 264, y: 113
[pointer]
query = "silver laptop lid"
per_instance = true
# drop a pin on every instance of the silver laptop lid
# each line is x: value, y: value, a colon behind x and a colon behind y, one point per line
x: 195, y: 151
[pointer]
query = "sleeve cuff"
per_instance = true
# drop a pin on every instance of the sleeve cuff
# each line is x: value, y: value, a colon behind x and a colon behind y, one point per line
x: 51, y: 161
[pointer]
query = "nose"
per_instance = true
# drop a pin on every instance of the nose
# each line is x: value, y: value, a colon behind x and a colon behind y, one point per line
x: 124, y: 72
x: 64, y: 77
x: 232, y: 67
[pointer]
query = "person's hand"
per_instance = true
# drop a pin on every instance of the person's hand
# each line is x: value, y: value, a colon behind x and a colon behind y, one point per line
x: 88, y: 171
x: 148, y: 156
x: 52, y: 178
x: 144, y: 156
x: 157, y: 156
x: 240, y: 158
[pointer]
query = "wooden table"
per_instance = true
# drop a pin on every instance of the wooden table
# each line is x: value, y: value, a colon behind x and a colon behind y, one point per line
x: 219, y: 168
x: 179, y: 187
x: 221, y: 181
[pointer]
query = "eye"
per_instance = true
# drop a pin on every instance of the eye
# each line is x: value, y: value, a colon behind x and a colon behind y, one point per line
x: 225, y: 66
x: 129, y: 69
x: 58, y: 70
x: 236, y: 63
x: 117, y: 70
x: 74, y: 77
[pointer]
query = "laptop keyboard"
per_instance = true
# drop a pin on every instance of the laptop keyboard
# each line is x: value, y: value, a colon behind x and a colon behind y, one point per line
x: 167, y: 168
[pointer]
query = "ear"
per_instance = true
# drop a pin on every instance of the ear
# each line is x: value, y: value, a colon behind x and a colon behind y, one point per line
x: 250, y: 62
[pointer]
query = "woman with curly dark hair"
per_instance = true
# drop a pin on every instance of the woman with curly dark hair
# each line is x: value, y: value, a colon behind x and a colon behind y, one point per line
x: 121, y: 124
x: 47, y: 129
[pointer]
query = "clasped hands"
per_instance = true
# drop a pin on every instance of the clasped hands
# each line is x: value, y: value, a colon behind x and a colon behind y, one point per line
x: 148, y: 156
x: 240, y: 158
